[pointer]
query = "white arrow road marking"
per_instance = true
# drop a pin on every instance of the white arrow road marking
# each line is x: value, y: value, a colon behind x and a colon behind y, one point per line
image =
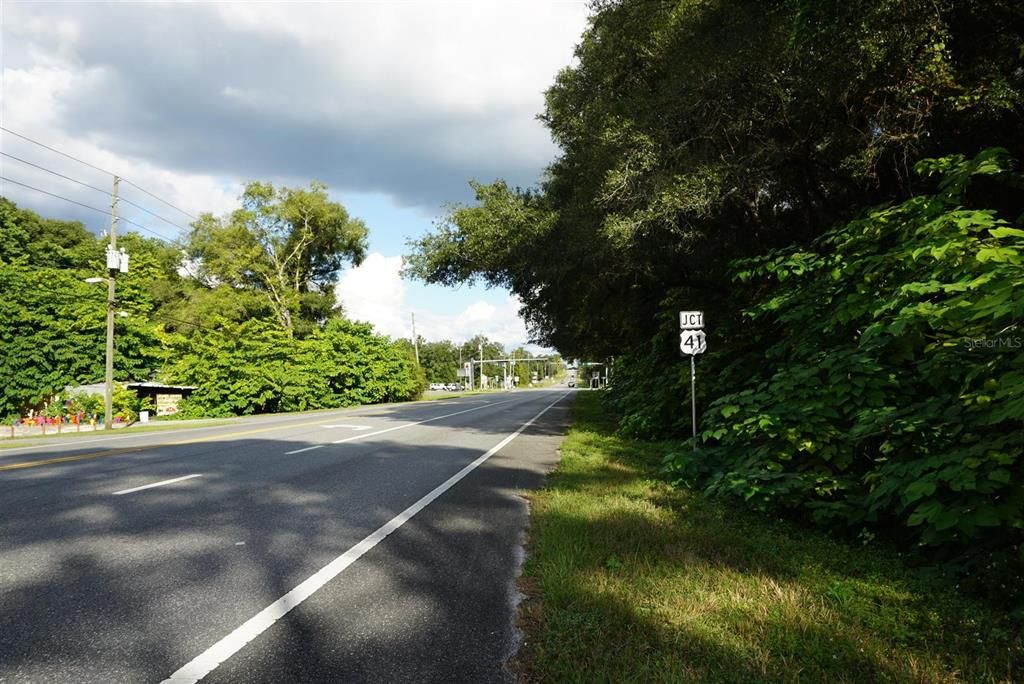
x: 207, y: 661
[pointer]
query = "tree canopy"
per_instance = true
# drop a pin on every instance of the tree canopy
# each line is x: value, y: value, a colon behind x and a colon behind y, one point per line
x: 243, y: 309
x: 692, y: 133
x: 836, y: 184
x: 286, y: 245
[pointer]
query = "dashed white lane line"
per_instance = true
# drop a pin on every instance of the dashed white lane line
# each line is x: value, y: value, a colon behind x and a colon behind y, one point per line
x: 207, y: 661
x: 299, y: 451
x: 157, y: 484
x: 397, y: 427
x: 116, y: 438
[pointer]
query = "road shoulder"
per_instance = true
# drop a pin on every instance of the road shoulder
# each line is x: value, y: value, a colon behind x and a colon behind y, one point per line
x: 630, y: 579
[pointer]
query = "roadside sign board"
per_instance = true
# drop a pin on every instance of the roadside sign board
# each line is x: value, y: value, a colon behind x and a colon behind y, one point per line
x: 692, y: 342
x: 691, y: 320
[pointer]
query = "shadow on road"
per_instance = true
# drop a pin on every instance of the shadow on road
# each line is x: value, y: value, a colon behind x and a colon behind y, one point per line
x: 97, y: 587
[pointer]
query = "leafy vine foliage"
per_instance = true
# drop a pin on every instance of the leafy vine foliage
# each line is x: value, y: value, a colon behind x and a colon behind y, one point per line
x: 792, y: 168
x: 243, y: 309
x: 257, y: 367
x: 878, y: 380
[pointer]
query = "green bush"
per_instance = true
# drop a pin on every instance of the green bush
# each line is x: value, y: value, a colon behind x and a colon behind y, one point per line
x: 126, y: 404
x: 89, y: 404
x: 256, y: 367
x: 877, y: 382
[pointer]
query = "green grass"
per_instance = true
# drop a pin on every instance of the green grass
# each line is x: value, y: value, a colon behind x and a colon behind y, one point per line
x: 630, y: 579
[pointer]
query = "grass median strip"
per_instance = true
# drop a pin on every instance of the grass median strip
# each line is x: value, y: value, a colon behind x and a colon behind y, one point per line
x: 630, y: 579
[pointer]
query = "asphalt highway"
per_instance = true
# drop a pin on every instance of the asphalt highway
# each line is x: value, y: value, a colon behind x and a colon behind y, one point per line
x: 372, y: 545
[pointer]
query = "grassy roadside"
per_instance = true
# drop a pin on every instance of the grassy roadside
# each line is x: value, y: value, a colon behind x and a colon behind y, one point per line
x: 629, y: 579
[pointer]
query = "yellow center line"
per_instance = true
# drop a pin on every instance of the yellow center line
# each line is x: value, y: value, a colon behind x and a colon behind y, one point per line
x: 134, y: 450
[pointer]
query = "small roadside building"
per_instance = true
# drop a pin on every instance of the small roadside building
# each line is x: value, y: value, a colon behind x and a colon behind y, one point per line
x: 165, y: 397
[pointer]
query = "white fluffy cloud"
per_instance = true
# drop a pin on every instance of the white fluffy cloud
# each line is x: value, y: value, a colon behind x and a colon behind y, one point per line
x: 406, y: 99
x: 402, y: 100
x: 32, y: 100
x: 375, y: 292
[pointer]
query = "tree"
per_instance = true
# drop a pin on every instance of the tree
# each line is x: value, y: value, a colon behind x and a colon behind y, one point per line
x: 52, y: 323
x: 30, y: 239
x: 256, y: 367
x: 285, y: 244
x: 692, y: 133
x: 439, y: 360
x: 878, y: 383
x: 222, y: 328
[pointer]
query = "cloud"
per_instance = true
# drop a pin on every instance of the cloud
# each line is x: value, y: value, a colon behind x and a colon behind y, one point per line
x: 401, y: 100
x: 407, y: 99
x: 375, y: 292
x: 33, y: 99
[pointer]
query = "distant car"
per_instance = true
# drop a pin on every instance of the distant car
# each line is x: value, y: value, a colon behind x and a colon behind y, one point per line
x: 571, y: 383
x: 453, y: 387
x: 437, y: 386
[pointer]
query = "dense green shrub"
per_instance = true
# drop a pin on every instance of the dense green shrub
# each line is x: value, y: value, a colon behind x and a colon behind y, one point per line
x: 877, y: 382
x: 257, y: 367
x: 89, y: 403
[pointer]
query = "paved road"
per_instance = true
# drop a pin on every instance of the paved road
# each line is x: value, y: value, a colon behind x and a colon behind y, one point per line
x: 374, y: 545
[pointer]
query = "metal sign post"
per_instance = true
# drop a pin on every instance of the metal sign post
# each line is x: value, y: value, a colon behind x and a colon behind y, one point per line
x: 693, y: 396
x: 692, y: 341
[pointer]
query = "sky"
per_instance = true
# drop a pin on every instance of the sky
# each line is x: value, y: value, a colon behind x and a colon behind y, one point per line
x: 394, y: 105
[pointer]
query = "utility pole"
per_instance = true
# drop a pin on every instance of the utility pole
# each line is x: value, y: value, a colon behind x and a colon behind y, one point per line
x: 462, y: 369
x: 415, y: 340
x: 481, y: 365
x: 112, y: 268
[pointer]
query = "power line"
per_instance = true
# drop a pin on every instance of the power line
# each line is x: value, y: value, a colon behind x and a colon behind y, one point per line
x: 154, y: 214
x: 105, y: 212
x: 65, y: 154
x: 93, y: 187
x: 137, y: 187
x: 93, y: 166
x: 8, y: 180
x: 42, y: 168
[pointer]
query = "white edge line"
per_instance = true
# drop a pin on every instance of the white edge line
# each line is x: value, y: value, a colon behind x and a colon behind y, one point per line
x: 157, y: 484
x: 207, y: 661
